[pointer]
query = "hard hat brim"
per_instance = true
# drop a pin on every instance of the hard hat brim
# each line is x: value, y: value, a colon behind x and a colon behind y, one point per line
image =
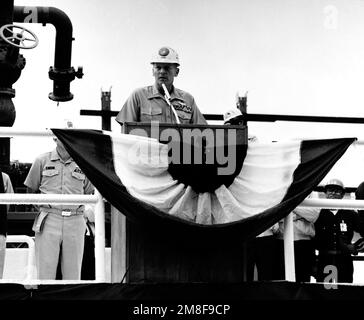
x: 165, y: 62
x: 334, y: 185
x: 238, y: 117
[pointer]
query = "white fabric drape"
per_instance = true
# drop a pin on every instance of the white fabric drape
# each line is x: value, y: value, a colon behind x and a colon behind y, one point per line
x: 142, y: 165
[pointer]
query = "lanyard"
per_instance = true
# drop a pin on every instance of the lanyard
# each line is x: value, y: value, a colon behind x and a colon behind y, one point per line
x: 168, y: 99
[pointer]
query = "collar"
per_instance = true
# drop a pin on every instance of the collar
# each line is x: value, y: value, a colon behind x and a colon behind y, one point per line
x: 55, y: 157
x: 175, y: 94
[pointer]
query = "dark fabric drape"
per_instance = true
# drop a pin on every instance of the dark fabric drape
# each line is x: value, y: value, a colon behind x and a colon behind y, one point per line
x: 92, y: 150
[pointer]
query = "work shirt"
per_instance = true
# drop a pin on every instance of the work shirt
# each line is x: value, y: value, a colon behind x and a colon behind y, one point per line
x: 8, y: 187
x: 148, y: 104
x: 303, y: 223
x: 335, y: 231
x: 49, y: 174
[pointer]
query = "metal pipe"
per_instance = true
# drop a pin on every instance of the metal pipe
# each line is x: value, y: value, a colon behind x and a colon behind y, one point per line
x: 282, y: 117
x: 99, y: 238
x: 6, y: 12
x: 62, y: 24
x: 30, y: 274
x: 333, y: 203
x: 288, y: 238
x: 31, y: 198
x: 260, y: 117
x: 10, y: 132
x: 61, y: 73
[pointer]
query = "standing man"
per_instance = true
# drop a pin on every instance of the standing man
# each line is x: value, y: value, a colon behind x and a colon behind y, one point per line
x: 5, y: 187
x: 334, y: 233
x: 59, y: 229
x: 162, y: 101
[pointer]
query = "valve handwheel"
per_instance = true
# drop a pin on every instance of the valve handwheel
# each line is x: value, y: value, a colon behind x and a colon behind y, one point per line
x: 24, y: 39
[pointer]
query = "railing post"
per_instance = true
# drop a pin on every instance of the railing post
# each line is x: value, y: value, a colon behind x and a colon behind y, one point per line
x: 99, y: 238
x: 288, y: 237
x: 118, y: 246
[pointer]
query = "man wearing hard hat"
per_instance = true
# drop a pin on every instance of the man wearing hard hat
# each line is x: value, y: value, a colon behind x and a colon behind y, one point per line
x: 334, y: 234
x: 161, y: 102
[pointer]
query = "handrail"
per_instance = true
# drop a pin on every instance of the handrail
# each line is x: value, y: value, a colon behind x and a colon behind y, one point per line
x: 36, y: 198
x: 30, y: 242
x: 99, y: 210
x: 12, y: 198
x: 333, y: 203
x: 288, y: 235
x: 11, y: 132
x: 29, y: 198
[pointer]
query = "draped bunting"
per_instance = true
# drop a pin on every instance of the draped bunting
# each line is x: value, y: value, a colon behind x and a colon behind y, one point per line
x: 132, y: 173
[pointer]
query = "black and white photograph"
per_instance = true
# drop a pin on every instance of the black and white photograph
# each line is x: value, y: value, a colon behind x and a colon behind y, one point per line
x: 182, y: 159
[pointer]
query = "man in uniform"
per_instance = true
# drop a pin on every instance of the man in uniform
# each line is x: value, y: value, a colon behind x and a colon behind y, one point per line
x: 161, y: 102
x: 334, y: 233
x: 59, y: 229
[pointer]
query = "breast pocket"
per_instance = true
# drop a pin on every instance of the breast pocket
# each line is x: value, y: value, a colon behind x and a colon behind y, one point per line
x: 151, y: 113
x: 78, y: 179
x: 184, y: 117
x: 50, y: 177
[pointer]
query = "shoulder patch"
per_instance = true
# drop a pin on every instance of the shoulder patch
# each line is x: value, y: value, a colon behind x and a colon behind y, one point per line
x: 78, y: 170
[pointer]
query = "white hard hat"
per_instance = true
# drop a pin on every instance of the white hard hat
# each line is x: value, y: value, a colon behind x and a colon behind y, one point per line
x: 334, y: 183
x: 69, y: 124
x: 231, y: 114
x: 61, y: 124
x: 166, y: 55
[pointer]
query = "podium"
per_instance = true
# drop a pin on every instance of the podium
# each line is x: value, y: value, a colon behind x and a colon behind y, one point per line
x: 151, y: 257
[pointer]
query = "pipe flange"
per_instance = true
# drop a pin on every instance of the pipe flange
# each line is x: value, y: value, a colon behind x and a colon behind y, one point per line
x: 66, y: 75
x: 8, y: 92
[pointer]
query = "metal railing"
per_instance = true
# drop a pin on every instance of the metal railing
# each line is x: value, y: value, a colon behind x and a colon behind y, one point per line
x: 96, y: 199
x: 100, y: 218
x: 289, y: 230
x: 30, y: 266
x: 11, y: 198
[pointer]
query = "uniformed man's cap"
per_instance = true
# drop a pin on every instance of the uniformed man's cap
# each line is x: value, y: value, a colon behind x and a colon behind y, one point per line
x: 334, y: 183
x: 166, y: 55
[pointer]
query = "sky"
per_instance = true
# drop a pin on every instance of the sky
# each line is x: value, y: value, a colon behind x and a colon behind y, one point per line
x: 291, y: 56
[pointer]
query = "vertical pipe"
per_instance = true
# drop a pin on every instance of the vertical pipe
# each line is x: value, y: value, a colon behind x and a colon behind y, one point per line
x: 6, y: 12
x: 288, y: 237
x: 99, y: 239
x: 118, y: 246
x: 106, y: 107
x: 31, y: 260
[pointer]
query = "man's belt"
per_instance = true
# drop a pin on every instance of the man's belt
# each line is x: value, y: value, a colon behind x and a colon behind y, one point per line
x: 63, y: 212
x: 333, y: 252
